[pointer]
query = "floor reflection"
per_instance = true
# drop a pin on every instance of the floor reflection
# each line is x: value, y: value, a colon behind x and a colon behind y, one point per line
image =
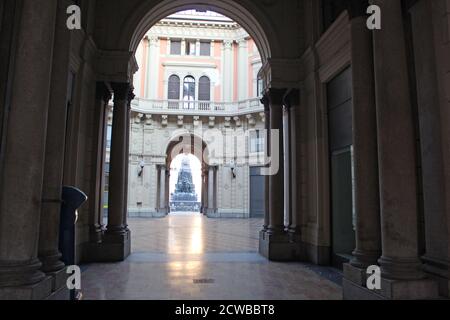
x: 193, y: 257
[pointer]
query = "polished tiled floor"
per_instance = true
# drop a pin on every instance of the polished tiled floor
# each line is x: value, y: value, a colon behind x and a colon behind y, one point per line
x: 192, y: 257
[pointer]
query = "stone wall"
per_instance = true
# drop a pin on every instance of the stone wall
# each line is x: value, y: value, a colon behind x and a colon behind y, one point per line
x: 149, y: 142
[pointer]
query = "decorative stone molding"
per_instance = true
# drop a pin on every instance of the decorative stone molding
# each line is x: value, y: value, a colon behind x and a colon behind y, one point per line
x: 280, y: 73
x: 333, y: 48
x: 227, y: 44
x: 251, y: 120
x: 148, y: 120
x: 263, y: 116
x: 164, y: 120
x: 242, y: 43
x: 227, y: 122
x: 180, y: 121
x: 153, y: 40
x: 237, y: 120
x: 138, y: 118
x: 196, y: 121
x: 197, y: 32
x: 212, y: 121
x: 116, y: 66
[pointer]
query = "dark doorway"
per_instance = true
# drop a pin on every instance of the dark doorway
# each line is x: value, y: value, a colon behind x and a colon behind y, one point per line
x: 339, y: 98
x: 257, y: 182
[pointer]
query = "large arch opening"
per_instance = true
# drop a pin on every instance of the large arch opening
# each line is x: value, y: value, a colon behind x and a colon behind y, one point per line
x: 249, y: 17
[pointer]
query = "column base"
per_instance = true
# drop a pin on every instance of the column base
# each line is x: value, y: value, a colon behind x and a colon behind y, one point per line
x: 279, y: 247
x: 162, y: 212
x: 51, y: 262
x: 355, y: 274
x: 114, y: 247
x: 354, y: 287
x: 353, y: 291
x: 422, y: 289
x: 59, y: 285
x: 439, y: 271
x: 39, y: 291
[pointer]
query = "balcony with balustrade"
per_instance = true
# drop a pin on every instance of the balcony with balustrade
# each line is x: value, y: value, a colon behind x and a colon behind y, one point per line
x: 197, y: 108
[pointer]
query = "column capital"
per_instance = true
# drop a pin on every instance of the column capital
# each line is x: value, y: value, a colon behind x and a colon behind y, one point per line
x: 131, y: 95
x: 121, y: 90
x: 291, y: 98
x: 274, y: 96
x: 357, y: 8
x: 102, y: 92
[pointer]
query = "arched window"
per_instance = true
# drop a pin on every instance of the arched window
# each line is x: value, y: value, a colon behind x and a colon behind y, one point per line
x: 189, y: 92
x: 204, y: 89
x: 174, y: 88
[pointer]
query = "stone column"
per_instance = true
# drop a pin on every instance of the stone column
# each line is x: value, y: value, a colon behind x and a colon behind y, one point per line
x: 274, y: 241
x: 265, y: 102
x: 367, y: 207
x: 54, y: 150
x: 292, y: 103
x: 116, y: 233
x: 130, y: 98
x: 103, y: 96
x: 276, y: 180
x: 243, y: 69
x: 152, y: 66
x: 367, y: 200
x: 397, y: 161
x: 204, y: 191
x: 211, y: 193
x: 162, y: 189
x: 227, y: 80
x: 23, y: 166
x: 437, y: 253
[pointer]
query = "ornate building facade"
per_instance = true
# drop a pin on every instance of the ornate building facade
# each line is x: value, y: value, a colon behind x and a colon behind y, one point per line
x: 198, y: 74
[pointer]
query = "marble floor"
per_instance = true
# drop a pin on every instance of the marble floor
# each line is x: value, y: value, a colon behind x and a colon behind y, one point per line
x: 191, y: 257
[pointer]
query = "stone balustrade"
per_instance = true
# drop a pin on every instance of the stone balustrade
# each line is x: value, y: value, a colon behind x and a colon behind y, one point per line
x: 200, y: 108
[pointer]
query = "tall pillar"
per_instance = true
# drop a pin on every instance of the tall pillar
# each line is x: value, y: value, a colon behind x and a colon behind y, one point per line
x: 204, y: 191
x: 243, y: 69
x: 130, y: 98
x: 23, y: 166
x: 400, y: 265
x: 274, y: 241
x: 276, y: 180
x: 162, y: 189
x: 227, y: 80
x: 367, y: 207
x: 437, y: 256
x: 292, y: 103
x: 103, y: 96
x: 211, y: 193
x: 265, y: 102
x: 367, y: 199
x: 152, y: 66
x: 54, y: 152
x: 117, y: 235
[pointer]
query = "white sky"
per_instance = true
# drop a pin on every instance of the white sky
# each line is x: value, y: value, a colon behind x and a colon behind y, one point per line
x: 196, y: 173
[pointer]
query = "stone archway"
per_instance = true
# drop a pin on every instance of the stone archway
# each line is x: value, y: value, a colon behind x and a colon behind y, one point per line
x: 188, y: 143
x: 116, y: 67
x: 248, y: 16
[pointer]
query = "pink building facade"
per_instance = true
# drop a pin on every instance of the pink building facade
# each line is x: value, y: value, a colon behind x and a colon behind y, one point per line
x: 197, y: 58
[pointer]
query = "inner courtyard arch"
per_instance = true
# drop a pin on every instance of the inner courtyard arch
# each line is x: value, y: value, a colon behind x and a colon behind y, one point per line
x: 362, y: 179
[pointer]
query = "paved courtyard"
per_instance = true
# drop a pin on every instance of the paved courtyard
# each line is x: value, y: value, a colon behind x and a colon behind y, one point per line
x: 193, y: 257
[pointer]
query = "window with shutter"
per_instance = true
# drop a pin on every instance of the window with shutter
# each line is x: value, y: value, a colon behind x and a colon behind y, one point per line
x: 174, y: 88
x: 175, y: 47
x: 205, y: 48
x: 204, y: 89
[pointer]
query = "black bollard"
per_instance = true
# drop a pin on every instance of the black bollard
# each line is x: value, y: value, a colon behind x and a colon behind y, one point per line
x: 72, y: 199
